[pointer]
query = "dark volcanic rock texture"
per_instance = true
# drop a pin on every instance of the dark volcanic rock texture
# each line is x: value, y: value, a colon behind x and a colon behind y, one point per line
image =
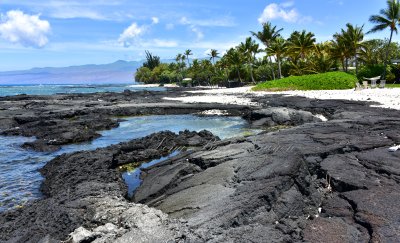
x: 332, y: 181
x: 86, y: 189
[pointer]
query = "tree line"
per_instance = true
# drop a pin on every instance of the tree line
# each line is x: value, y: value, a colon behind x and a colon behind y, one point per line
x: 277, y: 57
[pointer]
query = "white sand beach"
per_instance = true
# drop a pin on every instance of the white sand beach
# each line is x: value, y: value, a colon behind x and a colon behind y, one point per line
x: 152, y: 85
x: 386, y: 98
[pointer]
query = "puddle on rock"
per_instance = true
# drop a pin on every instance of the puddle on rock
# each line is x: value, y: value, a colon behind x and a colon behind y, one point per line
x: 131, y: 174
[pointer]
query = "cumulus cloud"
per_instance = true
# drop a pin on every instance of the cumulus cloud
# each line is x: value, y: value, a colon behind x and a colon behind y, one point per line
x: 130, y: 34
x: 155, y: 20
x: 25, y: 29
x: 199, y: 34
x: 282, y: 11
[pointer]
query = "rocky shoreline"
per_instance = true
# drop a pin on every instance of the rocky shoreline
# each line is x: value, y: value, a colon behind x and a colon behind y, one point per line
x: 310, y: 180
x: 62, y: 119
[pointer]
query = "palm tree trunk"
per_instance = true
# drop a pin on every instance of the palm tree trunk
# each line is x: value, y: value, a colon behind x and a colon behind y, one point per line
x: 279, y: 66
x: 251, y: 74
x: 343, y: 65
x: 272, y: 68
x: 387, y: 55
x: 238, y: 72
x: 356, y: 60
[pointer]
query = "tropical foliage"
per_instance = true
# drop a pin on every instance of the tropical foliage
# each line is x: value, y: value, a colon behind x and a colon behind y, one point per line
x: 322, y: 81
x: 270, y: 56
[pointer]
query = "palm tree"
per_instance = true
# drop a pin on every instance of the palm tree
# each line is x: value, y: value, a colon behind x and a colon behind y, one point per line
x: 268, y: 34
x: 321, y: 60
x: 340, y: 50
x: 278, y: 49
x: 222, y: 65
x: 178, y: 58
x: 249, y: 49
x: 353, y: 38
x: 187, y: 54
x: 234, y: 58
x: 213, y: 54
x: 300, y: 44
x: 388, y: 18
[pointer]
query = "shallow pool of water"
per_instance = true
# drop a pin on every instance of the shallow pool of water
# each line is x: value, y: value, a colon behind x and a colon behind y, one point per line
x: 19, y: 176
x: 132, y: 176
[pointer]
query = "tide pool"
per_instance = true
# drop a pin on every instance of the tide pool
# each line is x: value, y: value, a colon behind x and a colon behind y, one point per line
x: 19, y: 176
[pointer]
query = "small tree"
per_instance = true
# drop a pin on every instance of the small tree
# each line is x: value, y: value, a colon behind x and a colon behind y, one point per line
x: 151, y: 61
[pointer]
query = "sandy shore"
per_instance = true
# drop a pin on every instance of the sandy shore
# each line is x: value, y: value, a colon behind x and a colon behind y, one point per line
x: 153, y: 85
x: 387, y: 98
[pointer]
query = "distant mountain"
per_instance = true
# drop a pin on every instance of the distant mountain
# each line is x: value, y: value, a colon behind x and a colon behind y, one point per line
x: 117, y: 72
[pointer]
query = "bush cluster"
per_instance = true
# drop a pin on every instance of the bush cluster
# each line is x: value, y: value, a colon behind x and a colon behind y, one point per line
x: 322, y: 81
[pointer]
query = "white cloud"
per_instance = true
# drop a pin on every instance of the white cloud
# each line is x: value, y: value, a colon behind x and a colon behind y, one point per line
x: 283, y: 11
x: 130, y: 34
x: 155, y: 20
x: 28, y: 30
x: 199, y: 33
x: 193, y: 27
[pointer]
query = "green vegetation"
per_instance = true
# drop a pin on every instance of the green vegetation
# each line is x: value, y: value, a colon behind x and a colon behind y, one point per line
x: 270, y: 56
x: 392, y: 85
x: 323, y: 81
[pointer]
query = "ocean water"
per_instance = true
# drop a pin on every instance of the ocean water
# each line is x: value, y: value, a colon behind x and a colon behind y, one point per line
x: 7, y: 90
x: 19, y: 176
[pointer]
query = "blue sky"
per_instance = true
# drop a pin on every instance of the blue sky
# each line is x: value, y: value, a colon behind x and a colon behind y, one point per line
x: 37, y: 33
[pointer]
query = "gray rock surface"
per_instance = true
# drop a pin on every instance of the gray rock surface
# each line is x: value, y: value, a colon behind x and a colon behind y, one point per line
x: 332, y: 181
x: 329, y: 181
x: 72, y: 118
x: 85, y: 193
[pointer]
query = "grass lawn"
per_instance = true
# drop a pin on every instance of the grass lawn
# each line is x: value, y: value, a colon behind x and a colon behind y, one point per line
x: 392, y: 85
x: 322, y: 81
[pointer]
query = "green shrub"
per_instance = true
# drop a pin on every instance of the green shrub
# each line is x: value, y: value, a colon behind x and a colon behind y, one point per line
x: 396, y: 72
x: 217, y: 79
x: 323, y: 81
x: 370, y: 71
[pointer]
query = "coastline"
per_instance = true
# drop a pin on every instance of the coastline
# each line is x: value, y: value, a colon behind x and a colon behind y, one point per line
x: 309, y: 176
x: 386, y: 98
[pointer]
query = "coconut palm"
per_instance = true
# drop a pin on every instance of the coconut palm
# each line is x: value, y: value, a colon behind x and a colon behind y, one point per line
x: 235, y: 59
x: 321, y: 59
x: 213, y: 54
x: 340, y: 50
x: 178, y: 58
x: 352, y: 38
x: 388, y: 18
x: 278, y: 49
x: 300, y: 44
x: 187, y: 54
x: 268, y: 34
x: 249, y: 49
